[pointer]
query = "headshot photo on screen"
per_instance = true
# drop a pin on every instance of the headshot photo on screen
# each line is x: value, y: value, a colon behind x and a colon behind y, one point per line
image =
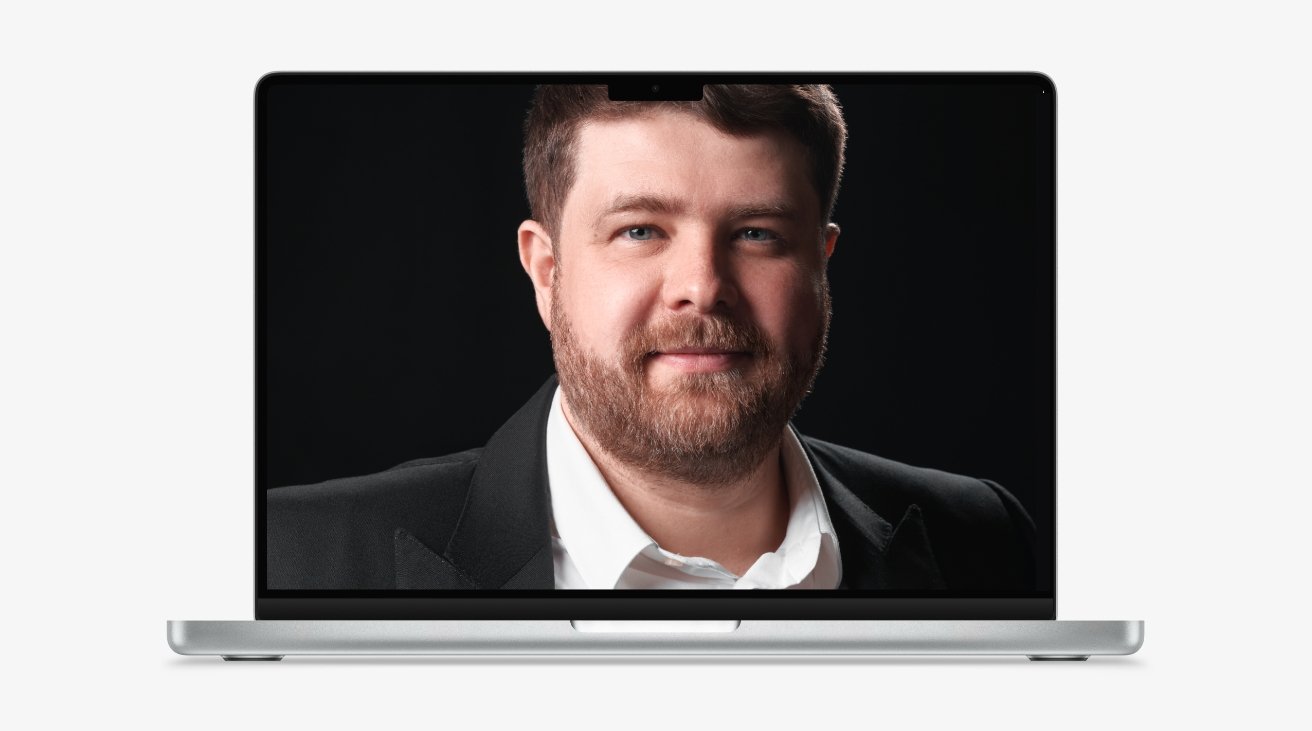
x: 528, y: 338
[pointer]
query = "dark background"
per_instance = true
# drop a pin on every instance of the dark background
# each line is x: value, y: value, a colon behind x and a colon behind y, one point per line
x: 396, y: 322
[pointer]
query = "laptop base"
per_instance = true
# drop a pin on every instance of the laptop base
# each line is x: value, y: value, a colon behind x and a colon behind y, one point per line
x: 274, y: 639
x: 275, y: 658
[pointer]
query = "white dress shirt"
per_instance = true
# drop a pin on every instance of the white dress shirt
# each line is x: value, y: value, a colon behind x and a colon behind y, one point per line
x: 596, y: 544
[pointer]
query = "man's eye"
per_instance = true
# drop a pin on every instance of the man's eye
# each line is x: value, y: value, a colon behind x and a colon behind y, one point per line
x: 758, y: 234
x: 640, y: 233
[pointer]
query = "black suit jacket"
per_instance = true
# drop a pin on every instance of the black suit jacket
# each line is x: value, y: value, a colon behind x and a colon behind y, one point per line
x: 479, y: 520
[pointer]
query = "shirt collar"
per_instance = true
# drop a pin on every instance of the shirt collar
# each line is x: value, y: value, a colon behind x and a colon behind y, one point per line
x: 597, y: 531
x: 602, y: 539
x: 810, y: 546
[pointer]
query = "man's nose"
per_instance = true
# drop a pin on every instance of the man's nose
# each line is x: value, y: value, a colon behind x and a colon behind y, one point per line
x: 697, y: 276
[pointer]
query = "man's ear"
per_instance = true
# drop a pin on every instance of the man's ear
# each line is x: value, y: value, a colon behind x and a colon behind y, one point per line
x: 536, y: 256
x: 831, y: 239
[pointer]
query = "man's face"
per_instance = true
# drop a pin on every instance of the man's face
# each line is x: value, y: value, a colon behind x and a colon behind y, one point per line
x: 687, y: 296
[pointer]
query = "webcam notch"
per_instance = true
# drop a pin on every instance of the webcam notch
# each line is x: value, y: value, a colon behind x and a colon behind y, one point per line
x: 655, y: 89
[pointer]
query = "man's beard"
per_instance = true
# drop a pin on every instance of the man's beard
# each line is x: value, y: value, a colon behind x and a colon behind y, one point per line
x: 702, y: 428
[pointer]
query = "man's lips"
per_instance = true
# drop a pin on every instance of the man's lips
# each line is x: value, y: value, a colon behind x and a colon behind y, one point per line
x: 699, y: 359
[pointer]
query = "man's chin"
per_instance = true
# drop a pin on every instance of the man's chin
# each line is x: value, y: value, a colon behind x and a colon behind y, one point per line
x: 715, y: 383
x: 708, y: 433
x: 689, y: 409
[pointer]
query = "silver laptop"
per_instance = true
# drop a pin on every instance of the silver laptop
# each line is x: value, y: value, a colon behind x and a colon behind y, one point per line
x: 554, y: 364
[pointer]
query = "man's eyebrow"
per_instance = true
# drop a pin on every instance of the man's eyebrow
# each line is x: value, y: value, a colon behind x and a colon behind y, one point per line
x: 641, y: 203
x: 644, y: 203
x: 763, y: 210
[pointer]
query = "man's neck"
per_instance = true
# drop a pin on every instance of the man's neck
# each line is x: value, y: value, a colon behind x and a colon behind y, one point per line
x: 731, y: 523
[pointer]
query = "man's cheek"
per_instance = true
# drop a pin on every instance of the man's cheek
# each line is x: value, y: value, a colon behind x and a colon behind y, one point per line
x: 613, y: 314
x: 596, y: 328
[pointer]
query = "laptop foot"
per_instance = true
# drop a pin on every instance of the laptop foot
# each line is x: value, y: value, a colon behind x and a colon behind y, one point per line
x: 1069, y: 658
x: 244, y: 658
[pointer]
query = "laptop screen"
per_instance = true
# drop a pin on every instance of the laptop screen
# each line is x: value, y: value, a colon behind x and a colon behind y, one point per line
x: 566, y: 346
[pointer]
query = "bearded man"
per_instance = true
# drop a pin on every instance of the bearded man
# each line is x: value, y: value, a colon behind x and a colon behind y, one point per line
x: 678, y: 255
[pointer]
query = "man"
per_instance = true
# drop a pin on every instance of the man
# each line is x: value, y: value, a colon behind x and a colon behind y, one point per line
x: 678, y: 255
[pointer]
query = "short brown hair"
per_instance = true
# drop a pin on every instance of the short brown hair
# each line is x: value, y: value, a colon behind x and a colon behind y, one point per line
x: 810, y: 113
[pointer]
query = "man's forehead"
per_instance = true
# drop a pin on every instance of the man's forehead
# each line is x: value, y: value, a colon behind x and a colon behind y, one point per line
x: 672, y: 162
x: 666, y: 132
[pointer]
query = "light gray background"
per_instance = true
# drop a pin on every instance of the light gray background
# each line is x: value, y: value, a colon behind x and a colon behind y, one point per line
x: 126, y: 298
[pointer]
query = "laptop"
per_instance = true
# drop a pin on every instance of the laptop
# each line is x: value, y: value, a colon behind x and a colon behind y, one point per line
x: 655, y: 364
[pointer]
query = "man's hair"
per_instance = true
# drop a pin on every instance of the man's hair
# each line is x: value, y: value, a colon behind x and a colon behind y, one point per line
x: 809, y: 113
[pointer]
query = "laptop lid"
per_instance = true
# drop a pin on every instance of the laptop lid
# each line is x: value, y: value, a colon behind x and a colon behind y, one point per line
x: 407, y: 378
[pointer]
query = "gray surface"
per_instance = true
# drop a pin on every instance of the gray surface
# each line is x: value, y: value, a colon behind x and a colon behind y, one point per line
x: 559, y: 637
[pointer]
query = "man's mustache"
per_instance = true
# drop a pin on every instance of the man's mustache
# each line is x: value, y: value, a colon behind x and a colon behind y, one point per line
x: 702, y: 333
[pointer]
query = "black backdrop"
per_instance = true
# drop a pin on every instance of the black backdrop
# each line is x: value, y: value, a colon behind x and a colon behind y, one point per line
x: 396, y: 323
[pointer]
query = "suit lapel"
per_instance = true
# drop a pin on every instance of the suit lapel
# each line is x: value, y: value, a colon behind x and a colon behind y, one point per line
x: 418, y: 567
x: 877, y: 554
x: 503, y: 539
